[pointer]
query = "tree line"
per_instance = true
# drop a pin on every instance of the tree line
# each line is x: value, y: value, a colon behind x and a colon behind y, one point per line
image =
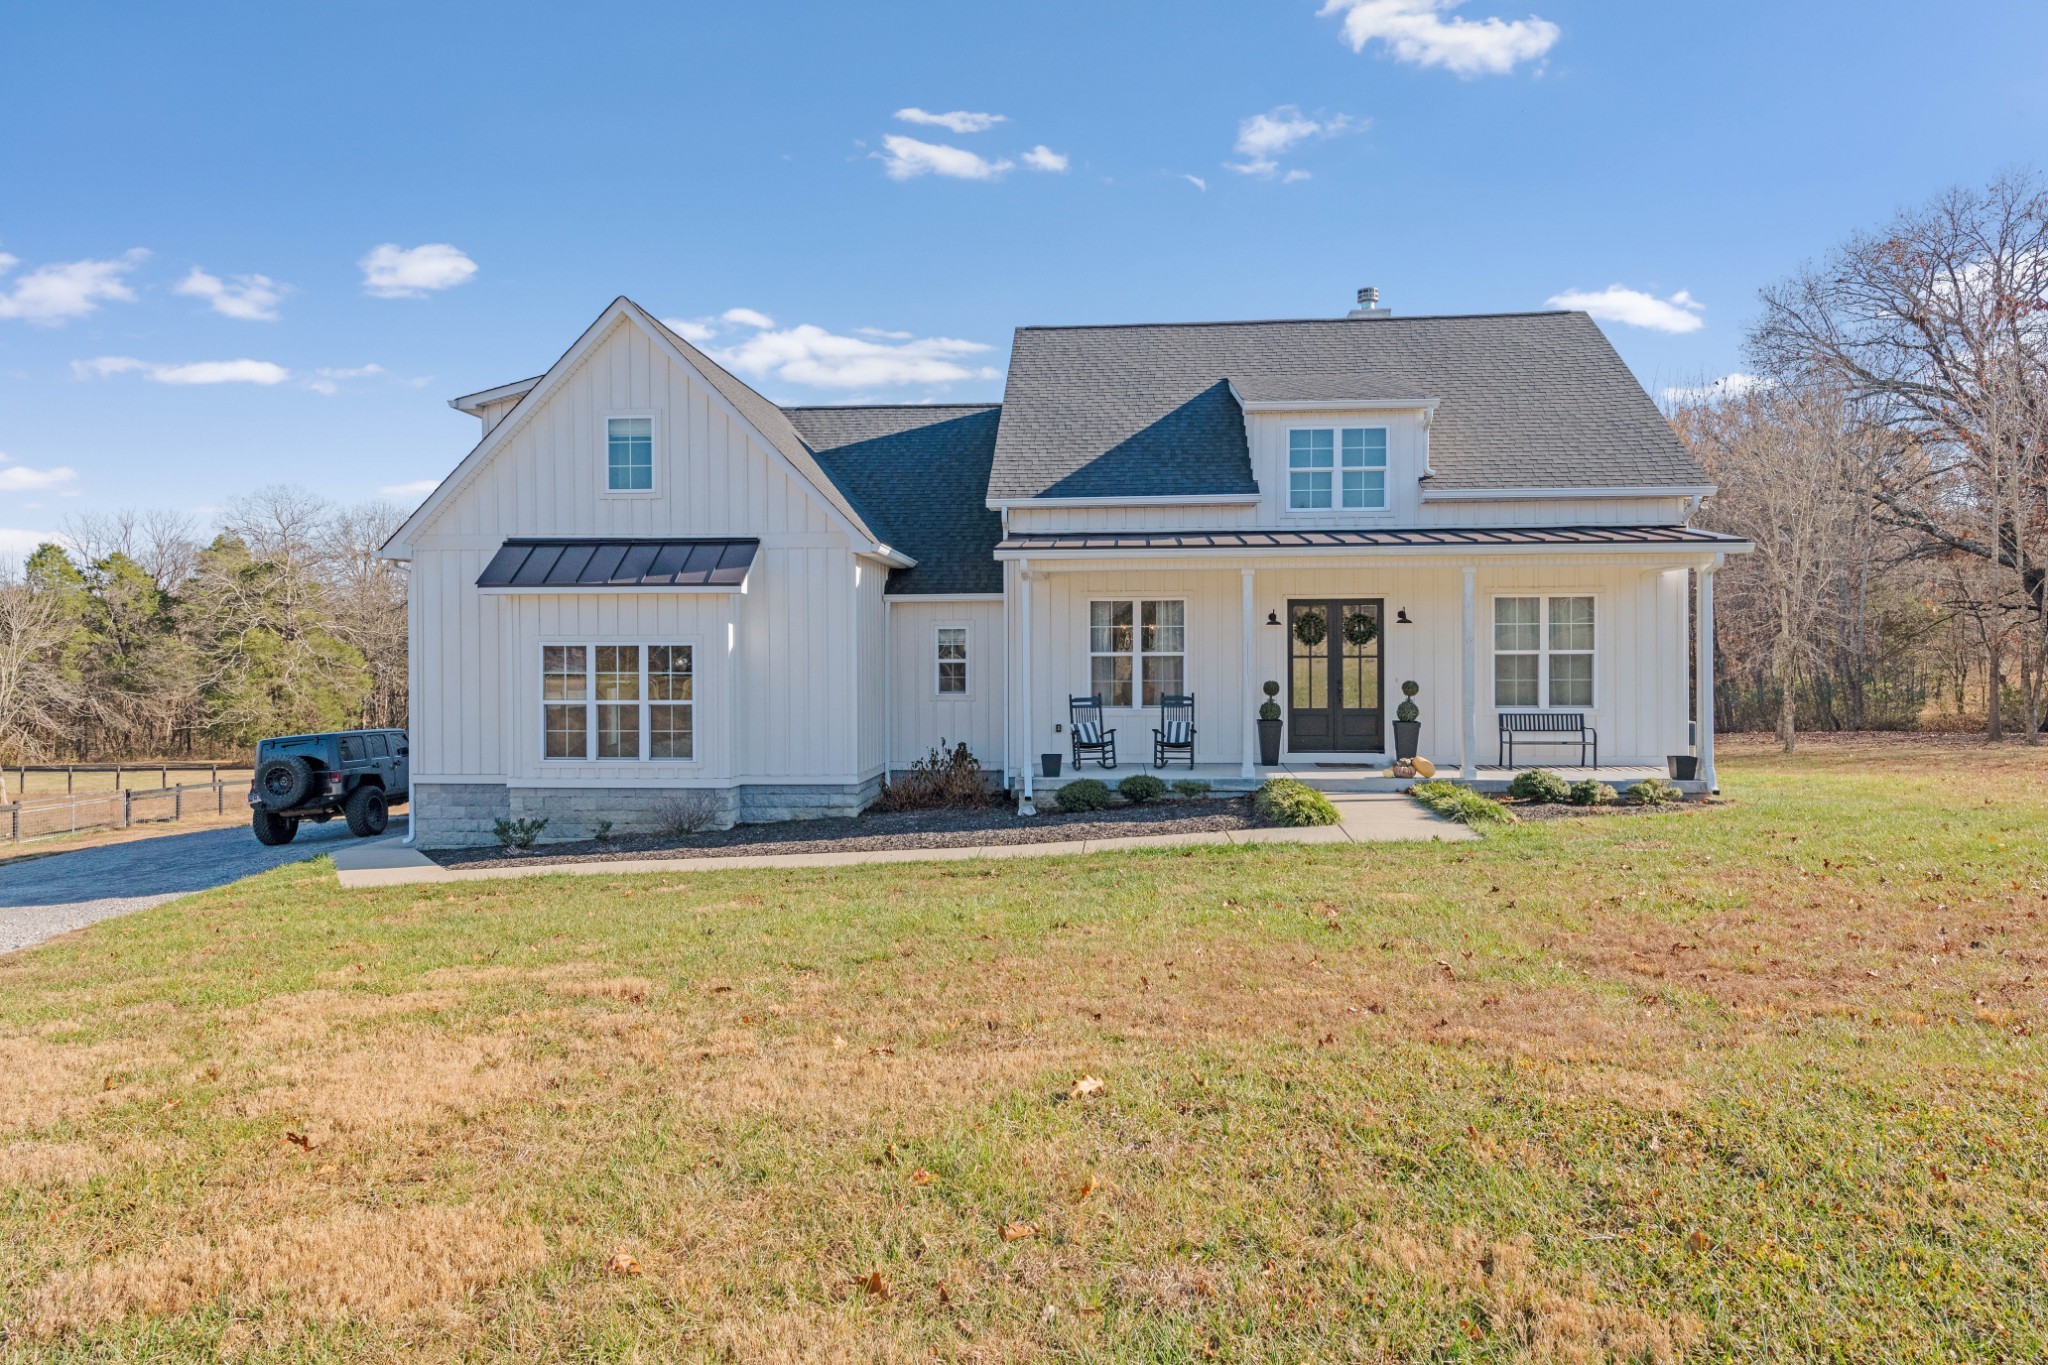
x: 136, y: 634
x: 1889, y: 458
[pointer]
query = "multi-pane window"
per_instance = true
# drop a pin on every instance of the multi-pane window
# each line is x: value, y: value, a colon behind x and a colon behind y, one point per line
x: 618, y: 702
x: 952, y: 661
x: 1543, y: 651
x: 1337, y: 467
x: 1137, y: 649
x: 629, y: 454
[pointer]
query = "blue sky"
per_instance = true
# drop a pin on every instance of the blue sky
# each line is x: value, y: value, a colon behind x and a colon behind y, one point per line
x: 389, y: 204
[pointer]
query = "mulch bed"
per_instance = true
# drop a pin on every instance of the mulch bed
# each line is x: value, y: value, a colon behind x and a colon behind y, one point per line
x: 879, y: 830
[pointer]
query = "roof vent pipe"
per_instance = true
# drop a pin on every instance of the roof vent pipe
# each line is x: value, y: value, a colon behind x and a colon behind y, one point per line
x: 1369, y: 305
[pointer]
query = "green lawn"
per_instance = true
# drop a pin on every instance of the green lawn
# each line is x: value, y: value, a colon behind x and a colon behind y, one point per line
x: 1760, y: 1081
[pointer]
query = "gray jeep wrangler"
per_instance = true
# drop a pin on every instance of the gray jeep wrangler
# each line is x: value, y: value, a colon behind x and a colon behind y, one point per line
x: 351, y: 773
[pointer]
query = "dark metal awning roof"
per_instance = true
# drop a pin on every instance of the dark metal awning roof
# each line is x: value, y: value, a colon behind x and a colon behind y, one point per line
x: 552, y: 565
x: 1427, y: 538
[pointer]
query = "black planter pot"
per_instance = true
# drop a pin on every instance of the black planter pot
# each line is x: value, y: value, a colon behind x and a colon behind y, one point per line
x: 1407, y: 734
x: 1269, y: 743
x: 1684, y: 767
x: 1049, y: 765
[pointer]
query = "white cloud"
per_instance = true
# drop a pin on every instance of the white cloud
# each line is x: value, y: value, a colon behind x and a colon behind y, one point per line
x: 253, y: 298
x: 747, y: 317
x: 19, y: 478
x: 417, y: 489
x: 1044, y: 158
x: 394, y: 272
x: 1196, y: 181
x: 17, y: 545
x: 810, y: 355
x: 51, y: 295
x: 1634, y: 308
x: 1727, y: 386
x: 907, y: 158
x: 1263, y: 139
x: 197, y: 372
x: 1419, y: 32
x: 691, y: 329
x: 958, y: 121
x: 328, y: 380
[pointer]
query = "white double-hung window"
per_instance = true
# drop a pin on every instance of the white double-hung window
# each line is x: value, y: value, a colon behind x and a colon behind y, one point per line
x: 1337, y: 467
x: 629, y: 454
x: 952, y: 675
x: 618, y: 702
x: 1137, y: 650
x: 1543, y: 651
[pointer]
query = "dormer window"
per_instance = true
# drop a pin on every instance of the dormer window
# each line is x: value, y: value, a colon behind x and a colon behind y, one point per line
x: 1337, y: 467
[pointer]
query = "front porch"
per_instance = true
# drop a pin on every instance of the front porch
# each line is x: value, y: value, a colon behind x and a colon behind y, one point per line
x: 1343, y: 779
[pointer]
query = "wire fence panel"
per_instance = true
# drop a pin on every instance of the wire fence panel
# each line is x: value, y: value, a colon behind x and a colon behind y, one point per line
x: 39, y: 817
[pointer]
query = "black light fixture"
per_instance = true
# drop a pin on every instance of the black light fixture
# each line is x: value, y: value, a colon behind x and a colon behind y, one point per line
x: 1272, y: 618
x: 1401, y: 618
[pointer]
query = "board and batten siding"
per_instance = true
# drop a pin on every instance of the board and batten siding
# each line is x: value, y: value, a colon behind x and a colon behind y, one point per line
x: 919, y: 717
x: 784, y: 695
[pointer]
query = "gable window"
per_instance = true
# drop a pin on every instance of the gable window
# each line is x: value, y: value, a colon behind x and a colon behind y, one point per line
x: 629, y: 454
x: 1336, y: 467
x: 618, y: 702
x: 1137, y: 649
x: 1543, y: 651
x: 952, y: 679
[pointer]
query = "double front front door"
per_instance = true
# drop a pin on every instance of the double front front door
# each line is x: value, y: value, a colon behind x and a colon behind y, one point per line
x: 1334, y: 688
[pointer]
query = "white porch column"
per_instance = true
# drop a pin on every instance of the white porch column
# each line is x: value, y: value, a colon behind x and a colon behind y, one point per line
x: 1469, y: 768
x: 1706, y: 678
x: 1024, y: 679
x: 1248, y: 670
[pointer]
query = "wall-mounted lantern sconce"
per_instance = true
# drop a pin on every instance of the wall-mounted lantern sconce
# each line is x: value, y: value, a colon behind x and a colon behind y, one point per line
x: 1272, y: 618
x: 1401, y: 618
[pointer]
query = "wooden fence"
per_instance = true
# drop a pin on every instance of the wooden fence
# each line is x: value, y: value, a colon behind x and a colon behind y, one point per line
x: 38, y: 817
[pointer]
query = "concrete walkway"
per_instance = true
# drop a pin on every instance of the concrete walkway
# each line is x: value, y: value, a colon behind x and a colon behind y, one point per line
x: 1364, y: 819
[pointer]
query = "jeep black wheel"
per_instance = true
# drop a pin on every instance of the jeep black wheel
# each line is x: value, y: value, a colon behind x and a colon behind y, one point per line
x: 284, y: 782
x: 365, y: 811
x: 272, y: 829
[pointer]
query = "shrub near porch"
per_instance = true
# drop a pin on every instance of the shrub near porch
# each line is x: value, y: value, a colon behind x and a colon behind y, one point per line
x: 1759, y: 1080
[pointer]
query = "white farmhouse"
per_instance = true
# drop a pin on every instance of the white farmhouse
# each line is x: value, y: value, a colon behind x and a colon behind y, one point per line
x: 647, y: 578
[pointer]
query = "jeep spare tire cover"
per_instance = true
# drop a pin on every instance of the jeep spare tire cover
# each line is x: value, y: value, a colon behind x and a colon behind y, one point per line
x: 283, y: 783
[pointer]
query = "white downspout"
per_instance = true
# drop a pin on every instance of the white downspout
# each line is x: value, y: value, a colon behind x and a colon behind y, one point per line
x: 1025, y: 805
x: 1469, y: 769
x: 1706, y: 676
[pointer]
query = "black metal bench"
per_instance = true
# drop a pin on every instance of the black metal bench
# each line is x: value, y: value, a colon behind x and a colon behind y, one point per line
x: 1548, y: 727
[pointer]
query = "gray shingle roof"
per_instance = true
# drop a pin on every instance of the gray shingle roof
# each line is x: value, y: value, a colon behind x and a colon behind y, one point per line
x: 1526, y: 400
x: 919, y: 477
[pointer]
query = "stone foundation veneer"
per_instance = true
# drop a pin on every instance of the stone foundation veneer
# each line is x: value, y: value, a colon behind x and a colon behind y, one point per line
x: 462, y: 814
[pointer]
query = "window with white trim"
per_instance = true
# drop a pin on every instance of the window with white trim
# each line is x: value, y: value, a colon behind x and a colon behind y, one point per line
x: 1543, y: 651
x: 635, y: 702
x: 952, y: 656
x: 1337, y: 467
x: 1137, y: 648
x: 629, y: 454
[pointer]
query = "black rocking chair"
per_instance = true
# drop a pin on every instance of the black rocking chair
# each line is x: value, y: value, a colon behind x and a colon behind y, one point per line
x: 1175, y: 734
x: 1091, y: 740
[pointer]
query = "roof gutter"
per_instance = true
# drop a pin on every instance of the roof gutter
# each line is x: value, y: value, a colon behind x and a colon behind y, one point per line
x: 1694, y: 491
x: 1004, y: 505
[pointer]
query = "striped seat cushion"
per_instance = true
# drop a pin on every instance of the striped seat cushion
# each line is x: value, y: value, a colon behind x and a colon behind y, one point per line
x: 1178, y: 732
x: 1087, y: 732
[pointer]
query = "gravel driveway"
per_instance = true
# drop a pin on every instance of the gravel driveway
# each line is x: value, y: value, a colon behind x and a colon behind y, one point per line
x: 43, y: 897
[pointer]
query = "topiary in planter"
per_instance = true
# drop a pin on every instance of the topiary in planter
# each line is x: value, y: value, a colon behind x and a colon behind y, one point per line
x: 1408, y: 712
x: 1285, y: 801
x: 1588, y: 792
x: 1269, y: 709
x: 1139, y: 788
x: 1083, y: 794
x: 1540, y: 784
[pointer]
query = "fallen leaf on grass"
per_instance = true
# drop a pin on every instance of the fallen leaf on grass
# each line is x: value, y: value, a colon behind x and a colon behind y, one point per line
x: 881, y: 1052
x: 875, y: 1284
x: 1088, y: 1187
x: 1017, y: 1232
x: 1698, y: 1241
x: 920, y: 1176
x: 299, y: 1140
x: 1087, y: 1085
x: 623, y: 1263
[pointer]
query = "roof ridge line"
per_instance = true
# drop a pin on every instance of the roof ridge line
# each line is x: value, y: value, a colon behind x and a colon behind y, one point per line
x: 1275, y: 322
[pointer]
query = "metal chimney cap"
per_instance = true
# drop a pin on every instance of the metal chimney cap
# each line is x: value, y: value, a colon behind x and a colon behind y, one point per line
x: 1369, y: 297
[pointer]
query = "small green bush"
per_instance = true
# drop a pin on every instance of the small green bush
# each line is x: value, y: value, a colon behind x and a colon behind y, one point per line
x: 1139, y: 788
x: 1588, y: 792
x: 1462, y: 804
x: 1285, y: 801
x: 1085, y: 793
x: 1540, y: 784
x: 1655, y: 791
x: 518, y: 835
x: 1191, y: 788
x: 602, y: 831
